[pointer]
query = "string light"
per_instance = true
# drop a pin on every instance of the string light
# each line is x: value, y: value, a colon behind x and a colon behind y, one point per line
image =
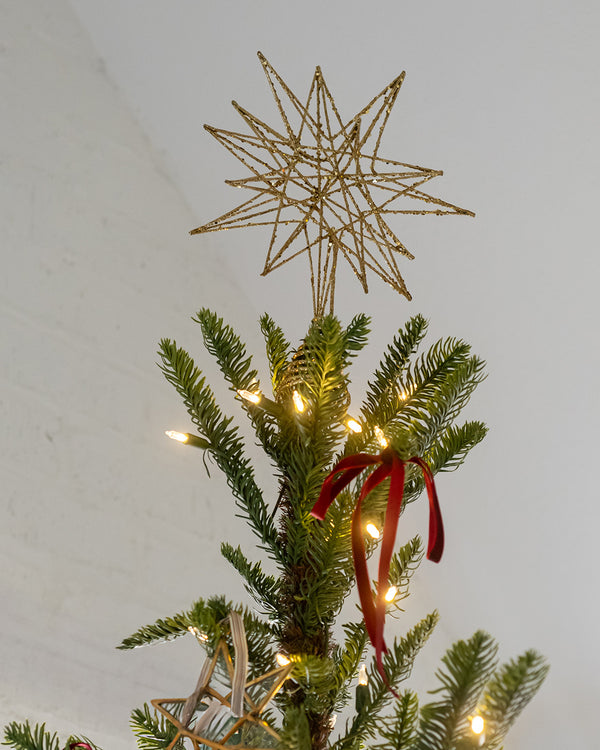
x: 298, y: 402
x: 381, y: 439
x: 363, y: 678
x: 390, y: 594
x: 187, y: 439
x: 372, y: 530
x: 477, y: 724
x: 253, y: 398
x: 282, y: 660
x: 200, y: 636
x: 181, y: 437
x: 362, y: 690
x: 353, y: 425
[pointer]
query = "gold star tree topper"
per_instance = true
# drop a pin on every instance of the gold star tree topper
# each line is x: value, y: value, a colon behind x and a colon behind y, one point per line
x: 323, y: 190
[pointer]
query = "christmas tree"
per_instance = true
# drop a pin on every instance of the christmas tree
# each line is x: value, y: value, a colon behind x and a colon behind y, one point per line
x: 278, y: 672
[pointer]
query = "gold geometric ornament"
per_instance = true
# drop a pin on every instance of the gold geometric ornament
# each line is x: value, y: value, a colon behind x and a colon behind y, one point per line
x: 205, y: 718
x: 323, y: 189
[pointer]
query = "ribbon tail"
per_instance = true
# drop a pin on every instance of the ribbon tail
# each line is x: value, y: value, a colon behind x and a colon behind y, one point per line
x: 435, y: 546
x: 363, y: 582
x: 390, y: 527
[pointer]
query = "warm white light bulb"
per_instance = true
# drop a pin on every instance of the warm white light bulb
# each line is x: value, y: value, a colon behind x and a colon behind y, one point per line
x: 373, y: 530
x: 254, y: 398
x: 353, y: 425
x: 477, y: 724
x: 298, y: 402
x: 198, y: 633
x: 381, y: 439
x: 282, y: 660
x: 390, y: 594
x: 363, y: 678
x: 181, y: 437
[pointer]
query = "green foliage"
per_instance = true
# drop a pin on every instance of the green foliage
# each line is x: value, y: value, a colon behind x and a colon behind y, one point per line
x: 296, y: 731
x: 278, y: 349
x: 263, y: 588
x: 355, y: 336
x: 221, y: 341
x: 399, y: 730
x: 226, y: 445
x: 468, y: 666
x: 403, y: 564
x: 398, y: 663
x: 416, y: 402
x: 382, y: 394
x: 152, y: 732
x: 314, y: 676
x: 348, y: 657
x: 24, y: 737
x: 210, y: 618
x: 508, y: 692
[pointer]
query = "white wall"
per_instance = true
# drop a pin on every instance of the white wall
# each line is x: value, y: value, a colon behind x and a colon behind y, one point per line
x: 504, y: 98
x: 102, y: 530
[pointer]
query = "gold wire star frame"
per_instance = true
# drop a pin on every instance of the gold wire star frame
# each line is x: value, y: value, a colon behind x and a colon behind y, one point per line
x: 321, y: 188
x: 205, y: 718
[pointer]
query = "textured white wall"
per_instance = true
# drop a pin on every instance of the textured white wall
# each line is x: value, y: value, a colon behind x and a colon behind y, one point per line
x: 101, y: 529
x: 504, y: 98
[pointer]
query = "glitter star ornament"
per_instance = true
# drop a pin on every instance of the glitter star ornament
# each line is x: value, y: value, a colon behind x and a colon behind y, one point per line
x: 205, y: 719
x: 321, y: 185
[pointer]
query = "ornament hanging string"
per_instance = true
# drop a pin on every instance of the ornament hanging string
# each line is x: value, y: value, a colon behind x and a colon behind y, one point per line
x: 389, y: 465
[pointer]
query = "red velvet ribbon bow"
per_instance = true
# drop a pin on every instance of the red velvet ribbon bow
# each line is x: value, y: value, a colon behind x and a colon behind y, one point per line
x: 391, y: 465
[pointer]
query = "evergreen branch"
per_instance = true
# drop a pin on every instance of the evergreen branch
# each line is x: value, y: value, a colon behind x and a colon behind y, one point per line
x: 398, y: 664
x: 23, y: 737
x: 384, y: 386
x: 208, y: 616
x: 278, y: 349
x: 325, y: 390
x: 230, y: 353
x: 445, y: 455
x: 347, y: 659
x: 400, y: 730
x: 330, y: 556
x: 468, y: 666
x: 227, y: 348
x: 226, y: 445
x: 160, y: 631
x: 315, y: 677
x: 151, y: 731
x: 295, y: 734
x: 403, y: 564
x: 508, y: 692
x: 432, y: 404
x: 263, y: 588
x: 356, y: 336
x: 451, y: 448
